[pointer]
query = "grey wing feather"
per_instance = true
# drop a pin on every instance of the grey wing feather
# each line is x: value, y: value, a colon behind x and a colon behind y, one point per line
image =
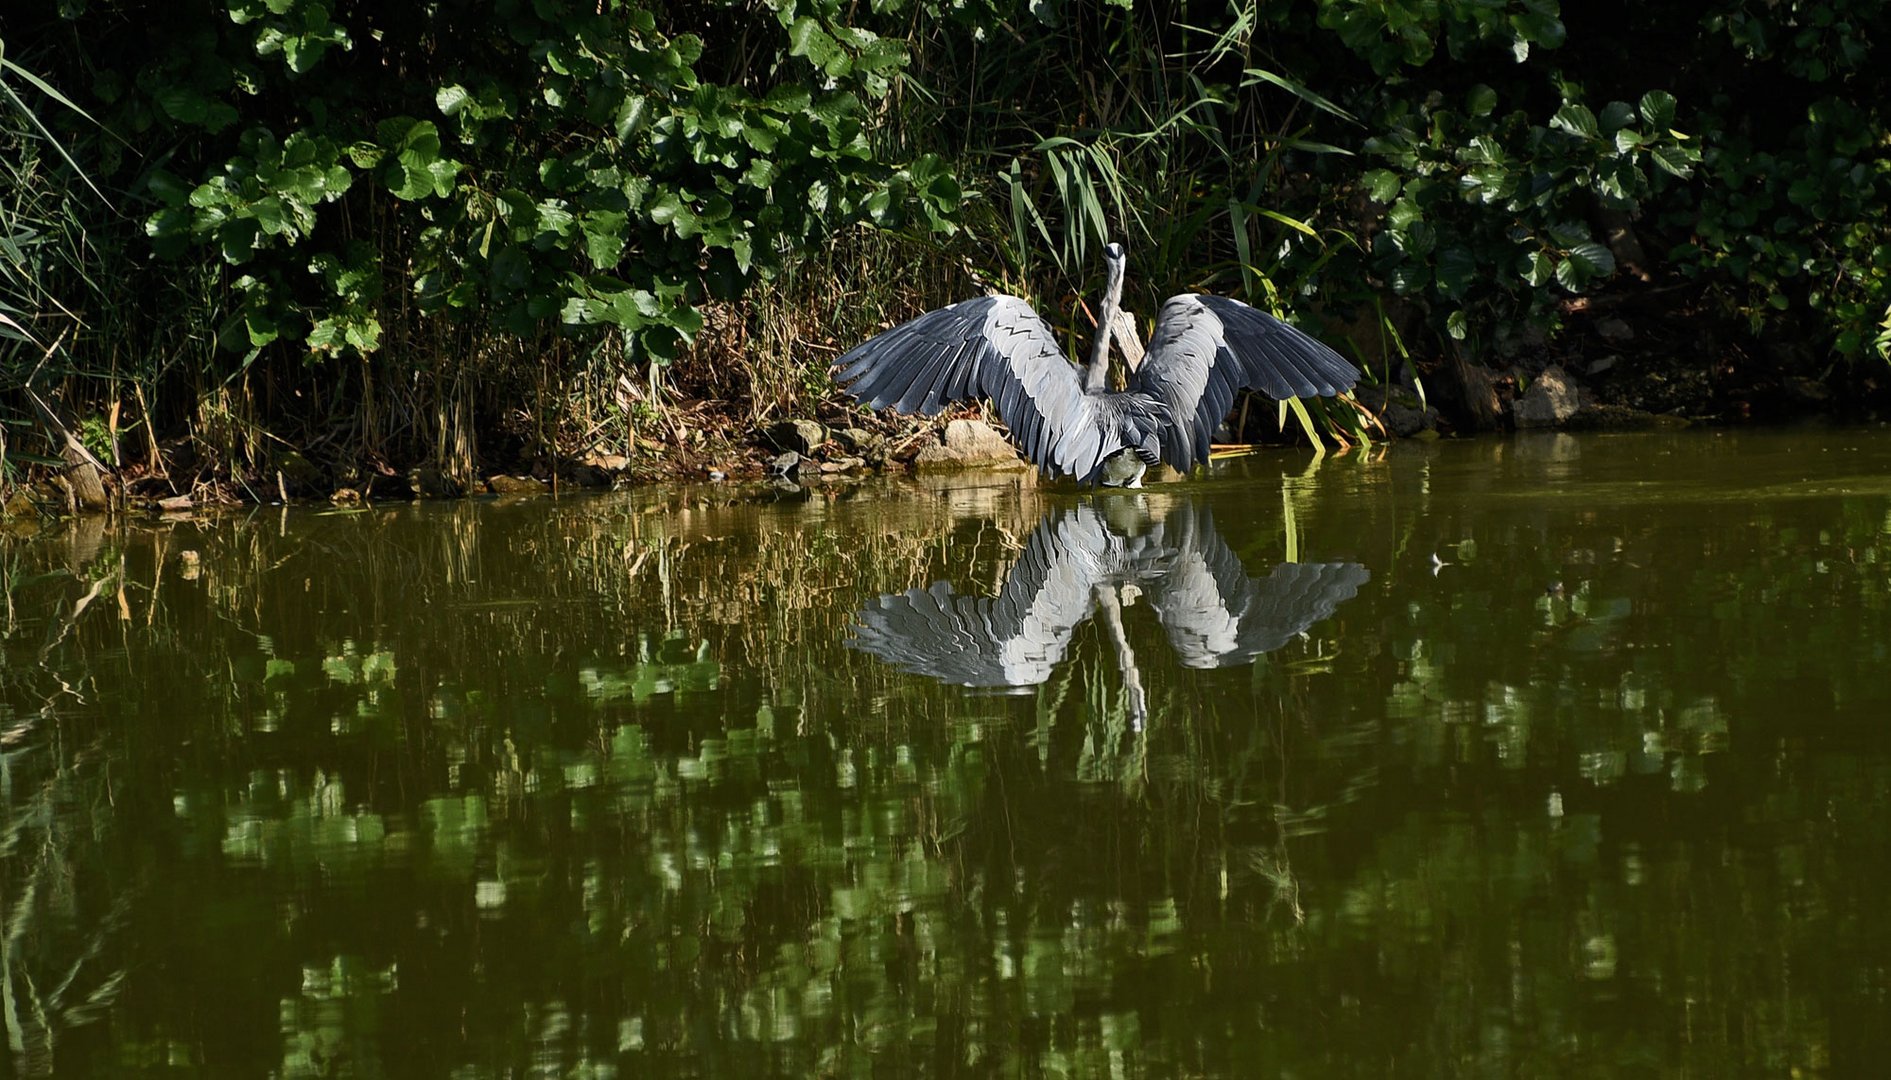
x: 1206, y: 348
x: 1217, y: 616
x: 994, y: 347
x: 1012, y: 640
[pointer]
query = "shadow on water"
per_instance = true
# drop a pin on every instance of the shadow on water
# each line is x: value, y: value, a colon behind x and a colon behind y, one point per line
x: 1590, y: 773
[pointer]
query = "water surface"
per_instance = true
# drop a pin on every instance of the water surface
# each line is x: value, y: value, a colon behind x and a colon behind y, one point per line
x: 1587, y: 773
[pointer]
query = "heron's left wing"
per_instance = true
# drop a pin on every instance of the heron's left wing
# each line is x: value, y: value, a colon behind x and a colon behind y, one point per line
x: 1207, y: 347
x: 994, y: 347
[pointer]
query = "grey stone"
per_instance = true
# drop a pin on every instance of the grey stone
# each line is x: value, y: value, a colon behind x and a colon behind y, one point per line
x: 432, y: 483
x: 1598, y: 417
x: 1406, y: 420
x: 515, y: 485
x: 969, y: 444
x: 1803, y: 391
x: 298, y: 474
x: 1551, y: 399
x: 1398, y: 410
x: 857, y: 440
x: 799, y: 436
x: 1614, y: 329
x: 1602, y: 364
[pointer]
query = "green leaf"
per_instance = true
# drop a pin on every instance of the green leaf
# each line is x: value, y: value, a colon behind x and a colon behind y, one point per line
x: 1596, y: 258
x: 1306, y: 422
x: 183, y: 104
x: 1536, y: 268
x: 788, y: 98
x: 1408, y: 278
x: 1260, y: 75
x: 1679, y: 160
x: 169, y: 224
x: 1539, y: 28
x: 1576, y: 119
x: 260, y: 327
x: 1484, y: 150
x: 325, y: 336
x: 269, y: 215
x: 553, y: 217
x: 1571, y: 275
x: 631, y: 116
x: 673, y: 211
x: 1616, y: 115
x: 1312, y: 147
x: 1569, y: 233
x: 417, y: 170
x: 1382, y: 184
x: 1482, y: 100
x: 1657, y: 107
x: 1487, y: 183
x: 806, y: 38
x: 451, y: 99
x: 1585, y: 262
x: 760, y: 173
x: 442, y: 173
x: 1457, y: 269
x: 1292, y: 223
x: 604, y: 237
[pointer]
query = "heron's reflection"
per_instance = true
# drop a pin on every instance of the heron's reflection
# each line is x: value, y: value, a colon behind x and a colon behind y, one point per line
x: 1094, y: 558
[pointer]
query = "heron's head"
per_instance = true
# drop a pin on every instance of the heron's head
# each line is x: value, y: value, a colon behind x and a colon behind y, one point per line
x: 1113, y: 252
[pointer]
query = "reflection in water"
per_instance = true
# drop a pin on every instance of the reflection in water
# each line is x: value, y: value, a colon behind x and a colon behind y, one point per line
x: 1101, y: 556
x: 591, y: 787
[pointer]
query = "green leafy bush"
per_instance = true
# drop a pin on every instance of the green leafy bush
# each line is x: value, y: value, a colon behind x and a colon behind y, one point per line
x: 564, y: 165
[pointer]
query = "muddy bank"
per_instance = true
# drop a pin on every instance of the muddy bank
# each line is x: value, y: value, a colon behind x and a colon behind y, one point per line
x: 1609, y: 379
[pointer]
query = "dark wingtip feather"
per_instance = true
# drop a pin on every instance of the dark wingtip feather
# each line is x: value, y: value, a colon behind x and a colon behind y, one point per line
x: 1295, y: 362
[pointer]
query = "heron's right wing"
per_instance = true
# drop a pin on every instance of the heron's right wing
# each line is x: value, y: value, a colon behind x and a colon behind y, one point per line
x: 1206, y: 348
x: 993, y: 347
x: 1217, y: 616
x: 1012, y: 640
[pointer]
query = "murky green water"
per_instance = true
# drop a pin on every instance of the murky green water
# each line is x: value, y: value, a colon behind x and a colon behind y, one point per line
x: 1584, y: 767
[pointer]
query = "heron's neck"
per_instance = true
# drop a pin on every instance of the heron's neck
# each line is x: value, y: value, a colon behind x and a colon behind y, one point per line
x: 1096, y: 377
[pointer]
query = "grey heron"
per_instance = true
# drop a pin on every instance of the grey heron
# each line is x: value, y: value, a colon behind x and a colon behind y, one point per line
x: 1204, y: 349
x: 1077, y: 563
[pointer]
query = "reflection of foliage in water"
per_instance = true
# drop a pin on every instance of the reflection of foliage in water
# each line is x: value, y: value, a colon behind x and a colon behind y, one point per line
x: 589, y: 786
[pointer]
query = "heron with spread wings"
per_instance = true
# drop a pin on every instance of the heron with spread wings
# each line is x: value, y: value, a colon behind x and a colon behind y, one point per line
x: 1205, y: 348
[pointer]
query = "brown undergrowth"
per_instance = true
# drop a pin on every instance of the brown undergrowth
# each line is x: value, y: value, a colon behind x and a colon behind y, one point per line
x: 484, y: 405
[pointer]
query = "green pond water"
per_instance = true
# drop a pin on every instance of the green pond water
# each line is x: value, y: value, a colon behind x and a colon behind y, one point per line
x: 1577, y: 760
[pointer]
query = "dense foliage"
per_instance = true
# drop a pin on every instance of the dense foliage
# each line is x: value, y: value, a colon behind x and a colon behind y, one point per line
x: 378, y: 230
